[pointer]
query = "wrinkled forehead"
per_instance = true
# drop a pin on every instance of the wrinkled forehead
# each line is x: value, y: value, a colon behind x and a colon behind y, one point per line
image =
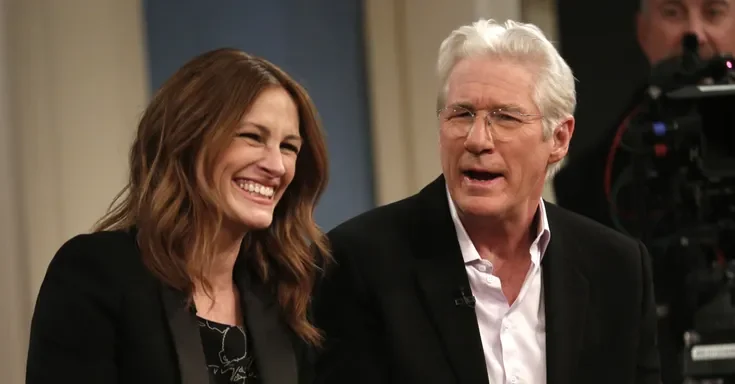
x: 510, y: 85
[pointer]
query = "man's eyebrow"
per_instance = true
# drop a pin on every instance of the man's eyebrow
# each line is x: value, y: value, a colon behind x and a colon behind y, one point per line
x: 462, y: 104
x: 510, y: 107
x: 671, y: 2
x: 506, y: 106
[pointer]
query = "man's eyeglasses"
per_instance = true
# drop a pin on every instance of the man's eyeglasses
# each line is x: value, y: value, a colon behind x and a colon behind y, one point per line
x: 457, y: 121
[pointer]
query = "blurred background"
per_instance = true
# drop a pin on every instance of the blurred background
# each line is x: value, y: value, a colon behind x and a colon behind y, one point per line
x: 75, y: 76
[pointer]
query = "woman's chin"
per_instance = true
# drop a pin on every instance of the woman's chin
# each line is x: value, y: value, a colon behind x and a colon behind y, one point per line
x: 256, y: 220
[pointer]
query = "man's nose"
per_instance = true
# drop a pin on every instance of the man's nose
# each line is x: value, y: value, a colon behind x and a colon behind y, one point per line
x: 479, y: 139
x: 698, y: 27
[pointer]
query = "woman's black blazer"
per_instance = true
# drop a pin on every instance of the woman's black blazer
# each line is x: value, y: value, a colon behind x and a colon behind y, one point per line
x: 102, y: 317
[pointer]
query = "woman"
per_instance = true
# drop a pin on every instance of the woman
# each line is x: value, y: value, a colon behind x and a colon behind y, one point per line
x: 204, y: 271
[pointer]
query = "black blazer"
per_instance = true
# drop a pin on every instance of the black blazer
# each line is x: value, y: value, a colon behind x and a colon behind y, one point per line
x: 389, y: 313
x: 102, y: 317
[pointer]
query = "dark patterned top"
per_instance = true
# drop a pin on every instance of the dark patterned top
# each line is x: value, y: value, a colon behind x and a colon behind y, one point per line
x: 226, y: 349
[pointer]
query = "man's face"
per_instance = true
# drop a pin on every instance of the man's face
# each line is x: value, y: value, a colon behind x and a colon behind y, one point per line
x: 663, y: 24
x: 496, y: 171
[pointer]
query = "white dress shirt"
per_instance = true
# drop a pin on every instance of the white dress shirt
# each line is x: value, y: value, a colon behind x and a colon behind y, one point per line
x: 513, y: 337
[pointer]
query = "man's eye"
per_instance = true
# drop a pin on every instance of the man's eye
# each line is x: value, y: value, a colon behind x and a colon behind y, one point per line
x: 714, y: 12
x: 672, y: 12
x: 461, y: 113
x: 506, y: 116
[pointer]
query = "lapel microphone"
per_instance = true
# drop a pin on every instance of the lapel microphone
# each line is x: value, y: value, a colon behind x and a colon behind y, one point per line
x: 464, y: 298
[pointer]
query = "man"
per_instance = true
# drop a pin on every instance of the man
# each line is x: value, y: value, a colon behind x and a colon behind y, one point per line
x: 476, y: 279
x: 584, y: 184
x: 587, y: 183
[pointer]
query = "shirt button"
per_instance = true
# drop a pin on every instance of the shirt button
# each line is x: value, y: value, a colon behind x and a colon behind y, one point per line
x: 481, y: 268
x: 514, y: 379
x: 489, y: 280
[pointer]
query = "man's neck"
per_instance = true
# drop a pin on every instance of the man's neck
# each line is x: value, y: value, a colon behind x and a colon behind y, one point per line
x: 507, y: 238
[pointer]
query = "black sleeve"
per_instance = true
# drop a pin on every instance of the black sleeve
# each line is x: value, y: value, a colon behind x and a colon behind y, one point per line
x: 343, y: 310
x: 648, y: 366
x: 72, y: 335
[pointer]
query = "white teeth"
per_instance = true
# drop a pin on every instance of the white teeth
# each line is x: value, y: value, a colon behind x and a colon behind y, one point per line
x: 253, y: 187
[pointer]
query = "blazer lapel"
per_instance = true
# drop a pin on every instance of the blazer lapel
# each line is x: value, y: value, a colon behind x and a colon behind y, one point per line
x: 441, y: 277
x: 566, y: 295
x: 274, y: 353
x: 187, y: 341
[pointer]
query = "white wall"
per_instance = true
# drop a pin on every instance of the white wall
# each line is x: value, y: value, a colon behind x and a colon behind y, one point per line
x: 403, y: 38
x: 13, y: 285
x: 77, y: 85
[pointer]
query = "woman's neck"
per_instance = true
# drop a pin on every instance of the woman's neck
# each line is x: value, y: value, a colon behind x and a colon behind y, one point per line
x: 222, y: 302
x: 227, y: 249
x: 222, y: 307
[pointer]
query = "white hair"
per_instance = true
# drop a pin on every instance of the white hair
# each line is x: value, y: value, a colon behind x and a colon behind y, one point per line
x: 554, y: 94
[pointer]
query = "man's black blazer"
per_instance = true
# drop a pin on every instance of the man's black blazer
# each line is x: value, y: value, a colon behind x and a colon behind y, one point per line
x: 389, y: 312
x: 102, y: 317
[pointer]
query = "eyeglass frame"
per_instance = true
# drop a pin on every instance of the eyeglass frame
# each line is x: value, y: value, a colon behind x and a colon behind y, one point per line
x: 523, y: 118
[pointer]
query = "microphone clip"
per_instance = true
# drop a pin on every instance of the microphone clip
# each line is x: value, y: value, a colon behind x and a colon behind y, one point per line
x: 463, y: 299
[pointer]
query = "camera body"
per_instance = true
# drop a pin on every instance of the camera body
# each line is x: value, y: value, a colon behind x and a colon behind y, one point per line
x: 681, y: 181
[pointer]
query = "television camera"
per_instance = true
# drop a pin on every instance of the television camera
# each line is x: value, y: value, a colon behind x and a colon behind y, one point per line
x: 679, y: 190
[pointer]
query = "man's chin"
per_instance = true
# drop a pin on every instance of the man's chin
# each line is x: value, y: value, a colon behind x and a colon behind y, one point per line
x: 481, y: 206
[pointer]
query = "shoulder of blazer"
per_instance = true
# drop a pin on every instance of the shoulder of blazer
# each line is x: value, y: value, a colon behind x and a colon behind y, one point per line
x: 115, y: 248
x: 106, y: 257
x: 393, y: 219
x: 389, y: 216
x: 96, y: 267
x: 592, y: 244
x: 561, y: 219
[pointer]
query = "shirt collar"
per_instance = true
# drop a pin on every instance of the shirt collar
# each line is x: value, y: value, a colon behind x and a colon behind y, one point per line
x: 469, y: 252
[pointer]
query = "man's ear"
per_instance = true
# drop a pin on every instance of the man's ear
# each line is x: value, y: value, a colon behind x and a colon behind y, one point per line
x: 561, y: 139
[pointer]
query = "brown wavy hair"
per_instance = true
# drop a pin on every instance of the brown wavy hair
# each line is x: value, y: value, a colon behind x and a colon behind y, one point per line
x: 170, y: 199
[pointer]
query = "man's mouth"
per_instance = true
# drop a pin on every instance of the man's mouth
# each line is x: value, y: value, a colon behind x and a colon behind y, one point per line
x: 481, y: 175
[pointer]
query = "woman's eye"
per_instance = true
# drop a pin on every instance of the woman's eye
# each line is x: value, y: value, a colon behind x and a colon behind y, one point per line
x: 290, y: 147
x: 249, y: 135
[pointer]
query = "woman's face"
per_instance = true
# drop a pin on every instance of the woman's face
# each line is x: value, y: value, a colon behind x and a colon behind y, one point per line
x: 252, y: 173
